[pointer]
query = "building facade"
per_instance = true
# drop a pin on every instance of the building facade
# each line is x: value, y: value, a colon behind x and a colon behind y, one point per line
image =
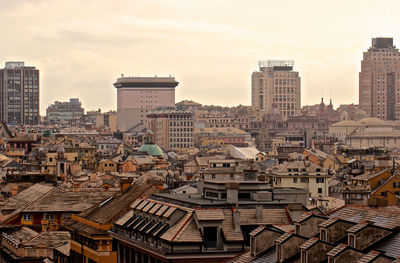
x: 19, y: 87
x: 172, y: 127
x: 276, y: 84
x: 136, y: 96
x: 65, y: 112
x: 379, y: 86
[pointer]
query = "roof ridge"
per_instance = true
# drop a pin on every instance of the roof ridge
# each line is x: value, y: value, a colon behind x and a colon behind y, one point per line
x: 41, y: 197
x: 181, y: 228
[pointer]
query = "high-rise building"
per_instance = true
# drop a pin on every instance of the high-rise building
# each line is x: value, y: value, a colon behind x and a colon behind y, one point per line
x: 172, y: 127
x: 379, y: 87
x: 136, y: 96
x: 19, y: 94
x: 65, y: 112
x: 276, y: 85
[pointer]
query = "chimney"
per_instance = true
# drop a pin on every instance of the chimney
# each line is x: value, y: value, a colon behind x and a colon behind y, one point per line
x: 236, y: 218
x: 259, y: 212
x: 232, y: 191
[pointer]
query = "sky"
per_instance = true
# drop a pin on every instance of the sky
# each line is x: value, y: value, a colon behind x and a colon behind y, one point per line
x: 211, y: 47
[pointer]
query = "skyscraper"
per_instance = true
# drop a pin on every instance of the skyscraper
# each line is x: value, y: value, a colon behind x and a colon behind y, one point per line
x: 379, y: 87
x: 19, y: 94
x: 276, y: 85
x: 136, y: 96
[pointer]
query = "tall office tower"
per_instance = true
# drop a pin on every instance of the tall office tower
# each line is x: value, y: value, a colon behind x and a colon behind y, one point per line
x: 19, y: 94
x: 276, y: 85
x: 136, y: 96
x: 379, y: 87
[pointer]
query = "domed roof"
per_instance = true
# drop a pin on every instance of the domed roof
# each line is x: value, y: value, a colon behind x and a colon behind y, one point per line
x: 151, y: 148
x: 346, y: 123
x: 370, y: 121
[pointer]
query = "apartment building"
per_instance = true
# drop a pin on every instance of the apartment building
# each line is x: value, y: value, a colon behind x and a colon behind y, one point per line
x: 379, y: 80
x: 136, y: 96
x: 172, y: 127
x: 276, y: 85
x: 19, y: 87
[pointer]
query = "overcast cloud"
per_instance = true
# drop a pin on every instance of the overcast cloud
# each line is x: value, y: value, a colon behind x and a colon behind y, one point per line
x: 211, y: 47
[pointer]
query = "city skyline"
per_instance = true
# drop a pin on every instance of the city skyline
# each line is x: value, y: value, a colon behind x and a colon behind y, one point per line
x: 203, y: 48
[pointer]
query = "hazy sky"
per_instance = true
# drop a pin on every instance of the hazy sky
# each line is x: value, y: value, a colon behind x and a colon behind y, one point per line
x: 211, y: 47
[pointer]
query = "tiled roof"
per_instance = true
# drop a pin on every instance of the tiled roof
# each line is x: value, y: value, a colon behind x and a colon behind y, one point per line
x: 228, y: 228
x: 368, y: 257
x: 388, y: 217
x: 328, y: 222
x: 189, y: 234
x: 59, y: 200
x: 309, y: 243
x: 270, y: 216
x: 209, y: 214
x: 119, y: 204
x: 268, y: 257
x: 26, y: 197
x: 336, y: 250
x: 283, y: 237
x: 357, y: 227
x: 390, y: 247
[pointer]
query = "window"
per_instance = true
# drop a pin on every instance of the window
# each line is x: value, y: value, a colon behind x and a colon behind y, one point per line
x: 27, y: 217
x: 294, y: 180
x: 213, y: 176
x: 48, y: 216
x: 210, y: 237
x: 51, y: 159
x: 320, y: 190
x: 232, y: 176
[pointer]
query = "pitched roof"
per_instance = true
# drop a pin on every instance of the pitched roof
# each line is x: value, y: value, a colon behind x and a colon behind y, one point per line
x: 58, y: 200
x: 388, y: 217
x: 119, y: 204
x: 26, y: 197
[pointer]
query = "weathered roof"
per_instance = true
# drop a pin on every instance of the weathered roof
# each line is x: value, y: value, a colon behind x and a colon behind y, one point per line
x: 58, y: 200
x: 49, y: 238
x: 119, y: 204
x: 368, y: 176
x: 388, y: 217
x: 390, y: 246
x: 346, y: 123
x: 209, y: 214
x: 269, y: 216
x: 336, y: 250
x: 24, y: 198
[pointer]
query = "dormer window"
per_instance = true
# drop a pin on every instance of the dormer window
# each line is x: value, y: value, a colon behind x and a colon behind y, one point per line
x: 323, y: 234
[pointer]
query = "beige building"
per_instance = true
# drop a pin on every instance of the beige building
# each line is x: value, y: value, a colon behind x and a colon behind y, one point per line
x: 136, y: 96
x: 107, y: 119
x: 379, y: 80
x: 302, y: 174
x: 172, y: 127
x: 367, y: 133
x: 276, y: 84
x: 342, y: 129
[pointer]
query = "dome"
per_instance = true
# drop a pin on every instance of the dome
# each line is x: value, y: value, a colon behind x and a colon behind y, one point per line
x: 370, y: 121
x: 346, y: 123
x: 151, y: 149
x: 61, y: 150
